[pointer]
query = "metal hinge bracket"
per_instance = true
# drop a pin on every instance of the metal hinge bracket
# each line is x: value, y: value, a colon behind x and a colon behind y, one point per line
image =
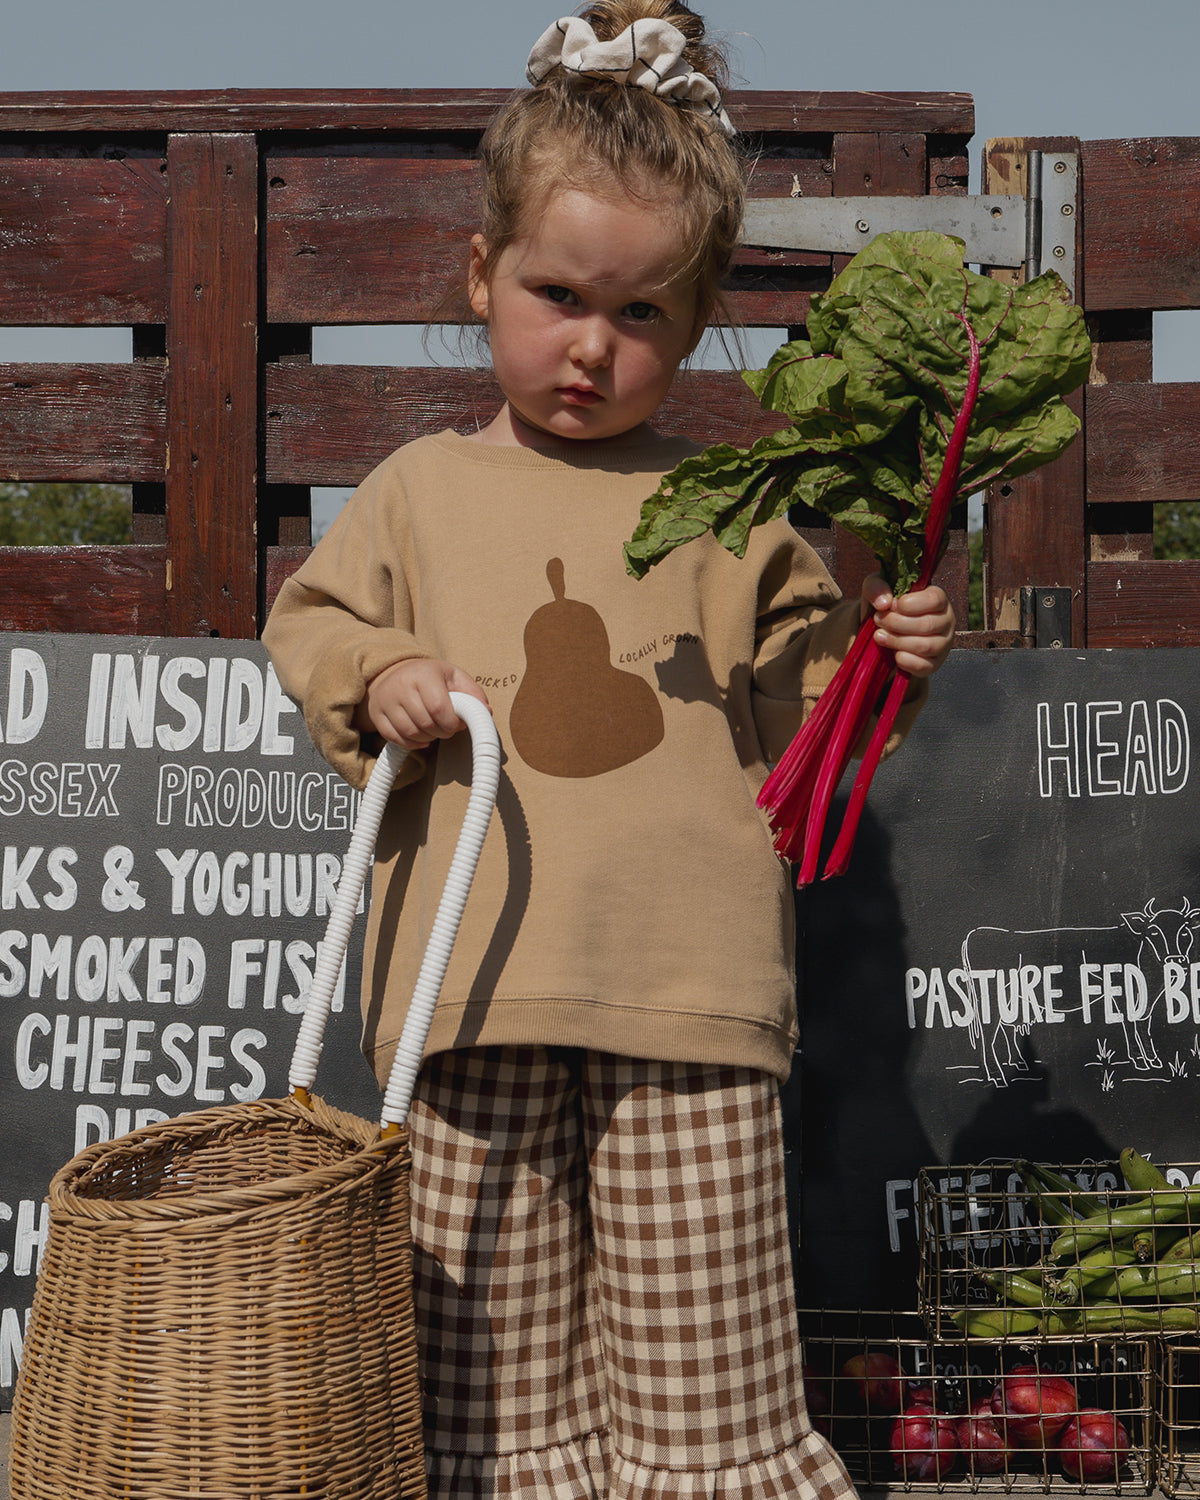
x: 1035, y: 232
x: 1046, y: 616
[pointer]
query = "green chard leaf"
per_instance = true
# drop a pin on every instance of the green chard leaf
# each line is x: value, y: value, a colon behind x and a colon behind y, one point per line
x: 871, y: 399
x: 793, y: 375
x: 812, y: 390
x: 691, y: 500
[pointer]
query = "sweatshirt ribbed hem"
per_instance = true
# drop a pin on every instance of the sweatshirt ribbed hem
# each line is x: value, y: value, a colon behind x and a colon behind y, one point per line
x: 626, y: 1030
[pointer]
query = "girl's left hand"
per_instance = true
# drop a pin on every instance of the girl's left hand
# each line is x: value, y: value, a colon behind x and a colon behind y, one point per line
x: 918, y: 627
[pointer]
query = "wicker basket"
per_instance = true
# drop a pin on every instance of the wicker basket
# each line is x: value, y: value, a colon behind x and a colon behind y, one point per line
x: 224, y: 1305
x: 223, y: 1309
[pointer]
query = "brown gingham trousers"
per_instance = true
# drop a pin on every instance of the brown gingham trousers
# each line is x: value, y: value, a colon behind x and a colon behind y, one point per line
x: 603, y: 1282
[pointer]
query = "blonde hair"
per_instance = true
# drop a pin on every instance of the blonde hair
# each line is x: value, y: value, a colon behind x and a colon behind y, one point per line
x: 598, y: 136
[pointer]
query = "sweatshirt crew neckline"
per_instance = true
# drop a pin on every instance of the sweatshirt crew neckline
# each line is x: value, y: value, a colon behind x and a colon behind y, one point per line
x: 625, y: 457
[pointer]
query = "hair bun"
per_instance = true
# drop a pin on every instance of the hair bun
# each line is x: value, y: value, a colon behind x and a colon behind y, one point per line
x: 650, y: 55
x: 609, y: 18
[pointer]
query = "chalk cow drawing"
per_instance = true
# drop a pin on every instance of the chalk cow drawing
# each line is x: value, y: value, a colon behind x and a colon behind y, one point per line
x: 1011, y: 993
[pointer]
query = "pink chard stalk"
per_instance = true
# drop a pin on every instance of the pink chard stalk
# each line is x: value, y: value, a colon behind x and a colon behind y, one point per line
x: 935, y: 531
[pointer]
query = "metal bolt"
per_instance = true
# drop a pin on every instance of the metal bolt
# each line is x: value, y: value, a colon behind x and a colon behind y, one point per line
x: 1068, y: 209
x: 1060, y: 166
x: 863, y: 227
x: 1059, y: 252
x: 1048, y: 601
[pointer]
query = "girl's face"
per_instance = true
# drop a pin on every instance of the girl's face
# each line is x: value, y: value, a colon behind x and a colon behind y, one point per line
x: 586, y: 325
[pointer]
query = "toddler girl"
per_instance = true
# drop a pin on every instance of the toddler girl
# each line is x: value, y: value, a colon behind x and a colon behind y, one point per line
x: 603, y: 1276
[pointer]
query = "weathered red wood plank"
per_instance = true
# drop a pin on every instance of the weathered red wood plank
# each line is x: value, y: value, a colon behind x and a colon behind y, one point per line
x: 771, y: 299
x: 953, y: 573
x: 1143, y: 442
x: 781, y: 176
x: 1122, y: 351
x: 1144, y: 603
x: 103, y: 423
x: 365, y: 239
x: 1143, y: 231
x: 81, y: 241
x: 988, y: 640
x: 83, y: 589
x: 212, y: 386
x: 805, y: 110
x: 1122, y: 346
x: 330, y: 424
x: 281, y: 563
x: 799, y: 111
x: 884, y: 163
x: 284, y: 510
x: 949, y: 170
x: 1036, y: 525
x: 384, y: 239
x: 1036, y: 535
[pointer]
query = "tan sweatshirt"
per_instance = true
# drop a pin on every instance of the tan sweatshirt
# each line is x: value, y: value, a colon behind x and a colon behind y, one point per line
x: 628, y: 897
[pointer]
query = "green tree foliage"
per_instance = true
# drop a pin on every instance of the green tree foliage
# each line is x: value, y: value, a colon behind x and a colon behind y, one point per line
x: 975, y: 578
x: 64, y: 515
x: 1177, y: 530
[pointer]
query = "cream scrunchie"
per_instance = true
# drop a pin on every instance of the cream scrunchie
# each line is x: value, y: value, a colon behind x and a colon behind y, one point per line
x: 648, y: 55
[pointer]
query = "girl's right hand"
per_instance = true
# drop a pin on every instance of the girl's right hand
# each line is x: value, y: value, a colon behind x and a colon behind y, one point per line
x: 409, y: 703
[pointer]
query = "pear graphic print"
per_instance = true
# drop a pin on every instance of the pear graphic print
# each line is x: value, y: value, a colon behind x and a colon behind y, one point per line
x: 575, y: 714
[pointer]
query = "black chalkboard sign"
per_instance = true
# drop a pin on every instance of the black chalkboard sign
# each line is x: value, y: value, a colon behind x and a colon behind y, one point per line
x: 1008, y: 968
x: 1011, y: 967
x: 169, y: 847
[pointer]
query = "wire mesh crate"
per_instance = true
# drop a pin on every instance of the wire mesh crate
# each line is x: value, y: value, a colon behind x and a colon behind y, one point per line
x: 1176, y: 1428
x: 908, y: 1413
x: 1022, y: 1249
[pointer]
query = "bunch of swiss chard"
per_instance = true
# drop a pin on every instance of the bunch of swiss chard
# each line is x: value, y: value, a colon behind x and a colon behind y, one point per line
x: 920, y: 383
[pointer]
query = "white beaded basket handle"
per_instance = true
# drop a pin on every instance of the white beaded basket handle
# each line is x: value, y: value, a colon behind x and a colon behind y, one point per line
x: 485, y: 779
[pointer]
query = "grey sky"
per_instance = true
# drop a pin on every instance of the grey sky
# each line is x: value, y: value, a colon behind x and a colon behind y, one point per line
x: 1082, y: 67
x: 1091, y: 68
